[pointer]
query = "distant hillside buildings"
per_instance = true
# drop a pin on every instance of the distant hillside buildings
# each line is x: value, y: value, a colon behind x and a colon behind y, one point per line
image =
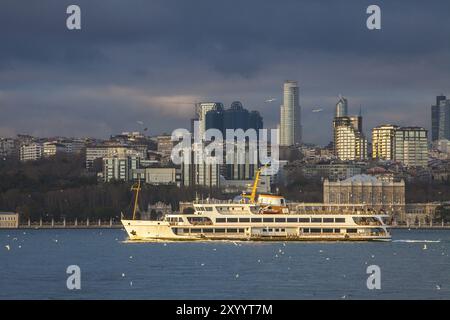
x: 164, y: 147
x: 332, y: 171
x: 132, y: 155
x: 7, y: 147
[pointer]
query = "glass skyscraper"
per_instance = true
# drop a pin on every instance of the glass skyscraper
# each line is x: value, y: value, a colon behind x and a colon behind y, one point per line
x: 341, y: 107
x: 236, y: 117
x: 440, y: 119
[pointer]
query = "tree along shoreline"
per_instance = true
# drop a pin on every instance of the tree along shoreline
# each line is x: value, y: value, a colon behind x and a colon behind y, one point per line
x: 60, y: 187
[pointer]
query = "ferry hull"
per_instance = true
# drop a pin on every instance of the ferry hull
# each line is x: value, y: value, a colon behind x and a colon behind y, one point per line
x: 141, y: 230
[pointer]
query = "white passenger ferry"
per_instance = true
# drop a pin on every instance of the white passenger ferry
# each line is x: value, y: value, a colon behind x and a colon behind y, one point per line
x: 267, y: 218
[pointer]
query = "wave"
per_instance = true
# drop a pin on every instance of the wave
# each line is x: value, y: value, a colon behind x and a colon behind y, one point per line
x: 417, y: 241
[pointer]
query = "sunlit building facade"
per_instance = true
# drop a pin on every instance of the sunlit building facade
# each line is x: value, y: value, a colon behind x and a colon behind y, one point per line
x: 349, y: 141
x: 31, y: 152
x: 383, y: 142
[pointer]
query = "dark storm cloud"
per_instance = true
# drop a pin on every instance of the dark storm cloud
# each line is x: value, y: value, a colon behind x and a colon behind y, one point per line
x: 150, y: 60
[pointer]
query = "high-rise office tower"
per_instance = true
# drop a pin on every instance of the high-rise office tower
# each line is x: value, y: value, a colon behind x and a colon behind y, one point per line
x: 214, y: 119
x: 349, y: 140
x: 383, y: 142
x: 411, y: 146
x: 341, y: 107
x: 290, y: 115
x: 201, y: 109
x: 440, y: 119
x: 236, y: 117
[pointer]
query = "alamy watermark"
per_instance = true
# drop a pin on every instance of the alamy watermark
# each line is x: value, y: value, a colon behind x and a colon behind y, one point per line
x: 374, y: 280
x: 237, y: 147
x: 74, y: 280
x: 374, y: 20
x: 73, y: 21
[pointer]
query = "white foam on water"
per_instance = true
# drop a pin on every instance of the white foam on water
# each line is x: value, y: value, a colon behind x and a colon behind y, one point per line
x: 417, y: 241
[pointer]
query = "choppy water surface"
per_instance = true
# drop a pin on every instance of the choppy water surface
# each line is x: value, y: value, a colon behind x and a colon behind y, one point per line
x: 415, y: 265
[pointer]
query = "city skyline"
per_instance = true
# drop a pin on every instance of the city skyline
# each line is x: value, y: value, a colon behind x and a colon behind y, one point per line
x: 214, y: 106
x: 107, y: 77
x: 233, y: 150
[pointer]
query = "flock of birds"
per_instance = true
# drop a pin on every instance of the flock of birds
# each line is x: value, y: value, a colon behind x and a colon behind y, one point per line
x: 280, y: 252
x: 271, y: 99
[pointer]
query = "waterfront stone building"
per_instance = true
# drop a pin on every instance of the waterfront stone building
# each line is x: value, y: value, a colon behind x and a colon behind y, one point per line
x: 378, y: 192
x: 421, y: 213
x: 9, y: 220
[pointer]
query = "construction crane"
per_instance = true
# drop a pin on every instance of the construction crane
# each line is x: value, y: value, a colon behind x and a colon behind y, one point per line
x: 136, y: 187
x: 252, y: 197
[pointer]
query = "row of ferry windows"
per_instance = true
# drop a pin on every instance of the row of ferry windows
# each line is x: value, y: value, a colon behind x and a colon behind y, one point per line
x: 281, y: 220
x: 241, y: 230
x: 326, y: 230
x: 210, y: 230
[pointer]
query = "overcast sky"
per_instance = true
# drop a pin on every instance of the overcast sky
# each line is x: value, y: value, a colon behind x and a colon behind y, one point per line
x: 146, y: 60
